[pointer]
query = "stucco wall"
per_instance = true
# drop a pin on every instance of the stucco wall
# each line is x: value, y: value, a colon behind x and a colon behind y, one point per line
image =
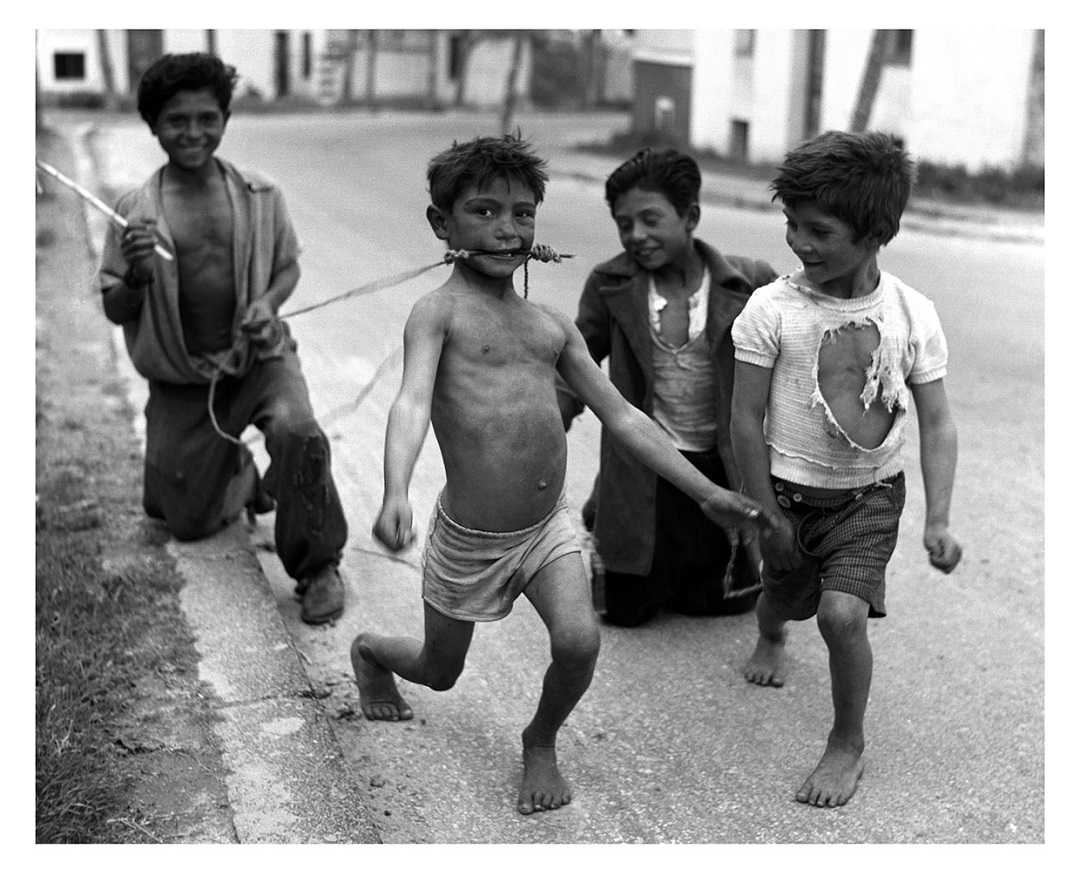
x: 962, y: 100
x: 969, y: 96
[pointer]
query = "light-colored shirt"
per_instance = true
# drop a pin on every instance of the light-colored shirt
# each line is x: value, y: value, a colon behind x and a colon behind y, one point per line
x: 782, y: 327
x: 684, y: 403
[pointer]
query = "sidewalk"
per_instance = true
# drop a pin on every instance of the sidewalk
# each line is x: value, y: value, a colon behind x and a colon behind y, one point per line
x: 285, y: 777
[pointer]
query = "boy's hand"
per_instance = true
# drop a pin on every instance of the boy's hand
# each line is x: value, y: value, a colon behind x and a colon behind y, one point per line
x: 779, y: 546
x: 394, y: 526
x: 137, y: 247
x: 944, y: 549
x: 260, y: 323
x: 741, y: 517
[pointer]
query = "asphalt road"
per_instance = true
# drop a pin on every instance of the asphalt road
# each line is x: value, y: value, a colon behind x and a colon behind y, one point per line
x: 670, y: 744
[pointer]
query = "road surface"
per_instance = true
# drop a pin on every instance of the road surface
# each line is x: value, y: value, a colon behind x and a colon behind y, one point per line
x: 670, y: 744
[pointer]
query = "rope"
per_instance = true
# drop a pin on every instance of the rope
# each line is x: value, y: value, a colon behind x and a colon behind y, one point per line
x: 539, y: 253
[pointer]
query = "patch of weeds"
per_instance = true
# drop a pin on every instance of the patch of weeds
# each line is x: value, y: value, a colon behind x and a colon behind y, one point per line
x: 95, y: 634
x: 1023, y: 188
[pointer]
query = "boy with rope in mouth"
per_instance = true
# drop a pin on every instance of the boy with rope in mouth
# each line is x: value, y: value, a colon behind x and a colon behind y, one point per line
x: 480, y: 367
x: 202, y: 328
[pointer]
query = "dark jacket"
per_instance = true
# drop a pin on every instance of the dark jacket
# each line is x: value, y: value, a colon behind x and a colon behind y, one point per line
x: 613, y: 317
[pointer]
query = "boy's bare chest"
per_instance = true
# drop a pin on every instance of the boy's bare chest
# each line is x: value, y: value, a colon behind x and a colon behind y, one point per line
x: 848, y: 349
x: 201, y: 223
x: 524, y: 337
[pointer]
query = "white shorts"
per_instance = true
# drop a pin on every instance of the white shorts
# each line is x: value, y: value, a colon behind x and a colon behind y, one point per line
x: 476, y: 576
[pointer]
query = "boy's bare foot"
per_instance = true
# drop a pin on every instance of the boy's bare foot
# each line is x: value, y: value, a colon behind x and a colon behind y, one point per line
x: 379, y: 696
x: 834, y: 780
x: 543, y: 787
x: 766, y: 664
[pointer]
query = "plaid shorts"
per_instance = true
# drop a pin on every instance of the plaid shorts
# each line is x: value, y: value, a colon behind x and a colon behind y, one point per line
x: 845, y: 541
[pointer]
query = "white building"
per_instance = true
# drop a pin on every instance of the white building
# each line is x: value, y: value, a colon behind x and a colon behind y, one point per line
x: 423, y: 66
x: 972, y: 97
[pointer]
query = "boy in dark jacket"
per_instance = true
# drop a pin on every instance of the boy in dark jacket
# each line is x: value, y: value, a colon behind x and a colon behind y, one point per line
x: 661, y: 312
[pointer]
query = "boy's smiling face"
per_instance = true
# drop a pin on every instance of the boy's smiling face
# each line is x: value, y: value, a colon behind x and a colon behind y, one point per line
x: 650, y: 228
x: 823, y: 243
x: 190, y: 128
x: 499, y: 217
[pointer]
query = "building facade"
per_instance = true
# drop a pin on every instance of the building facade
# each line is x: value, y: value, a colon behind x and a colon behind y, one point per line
x: 970, y: 97
x: 426, y: 67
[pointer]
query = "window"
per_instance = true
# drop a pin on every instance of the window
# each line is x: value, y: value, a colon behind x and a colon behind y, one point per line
x: 740, y: 140
x: 305, y: 55
x: 744, y: 43
x: 69, y: 65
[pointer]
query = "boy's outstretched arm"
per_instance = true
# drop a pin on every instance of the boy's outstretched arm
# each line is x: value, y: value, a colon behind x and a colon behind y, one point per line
x: 644, y: 438
x: 407, y: 425
x: 937, y: 455
x: 749, y: 399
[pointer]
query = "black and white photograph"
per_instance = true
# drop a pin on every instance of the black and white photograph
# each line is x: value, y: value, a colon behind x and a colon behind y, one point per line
x: 471, y: 437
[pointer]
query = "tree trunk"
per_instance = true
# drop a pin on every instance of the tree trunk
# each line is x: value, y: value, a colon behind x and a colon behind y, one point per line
x: 468, y: 40
x: 871, y: 78
x: 593, y: 62
x: 506, y: 118
x: 815, y: 76
x: 108, y: 78
x: 372, y: 58
x: 1034, y: 148
x: 433, y: 69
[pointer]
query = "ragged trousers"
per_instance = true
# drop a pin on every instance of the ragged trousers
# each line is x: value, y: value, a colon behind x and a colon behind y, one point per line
x: 197, y: 481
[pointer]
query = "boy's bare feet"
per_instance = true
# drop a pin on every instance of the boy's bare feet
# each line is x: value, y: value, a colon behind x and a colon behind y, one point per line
x: 543, y: 787
x: 766, y: 664
x: 834, y: 780
x: 379, y: 696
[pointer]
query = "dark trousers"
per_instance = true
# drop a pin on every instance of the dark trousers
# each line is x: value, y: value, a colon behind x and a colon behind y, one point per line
x: 197, y: 482
x: 689, y: 561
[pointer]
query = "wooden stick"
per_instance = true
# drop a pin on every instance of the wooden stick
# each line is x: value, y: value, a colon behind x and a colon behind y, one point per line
x: 96, y: 202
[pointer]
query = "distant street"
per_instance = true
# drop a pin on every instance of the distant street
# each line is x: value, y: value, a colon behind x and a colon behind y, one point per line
x: 670, y: 744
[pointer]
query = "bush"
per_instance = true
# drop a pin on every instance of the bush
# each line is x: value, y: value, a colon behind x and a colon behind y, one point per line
x: 1023, y: 187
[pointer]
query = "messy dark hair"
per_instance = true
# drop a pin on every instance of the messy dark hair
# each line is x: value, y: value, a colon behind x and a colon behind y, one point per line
x: 188, y: 72
x: 671, y: 173
x: 864, y: 180
x: 480, y: 161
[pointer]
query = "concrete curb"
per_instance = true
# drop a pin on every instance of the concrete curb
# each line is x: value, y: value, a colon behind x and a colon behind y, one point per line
x: 288, y: 779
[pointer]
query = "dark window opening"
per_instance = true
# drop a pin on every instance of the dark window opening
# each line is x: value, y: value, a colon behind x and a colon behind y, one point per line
x: 69, y: 65
x: 740, y: 140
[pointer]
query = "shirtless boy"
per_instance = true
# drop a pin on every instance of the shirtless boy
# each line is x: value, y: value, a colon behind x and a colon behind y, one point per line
x: 480, y: 366
x: 833, y: 354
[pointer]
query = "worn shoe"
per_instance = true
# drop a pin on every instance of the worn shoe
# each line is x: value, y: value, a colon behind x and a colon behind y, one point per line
x: 324, y: 596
